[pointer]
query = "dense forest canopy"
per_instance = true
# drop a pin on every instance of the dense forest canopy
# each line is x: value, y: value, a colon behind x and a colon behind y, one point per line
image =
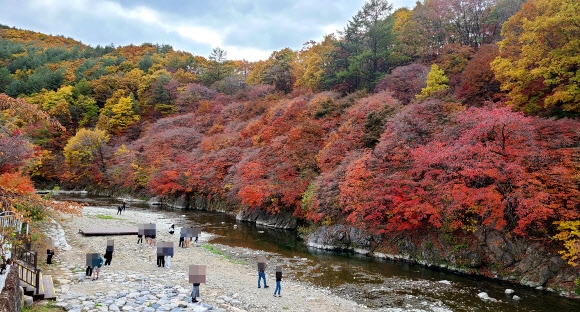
x: 455, y: 115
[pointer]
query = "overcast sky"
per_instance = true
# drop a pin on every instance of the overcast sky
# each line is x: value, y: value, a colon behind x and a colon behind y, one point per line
x: 245, y: 29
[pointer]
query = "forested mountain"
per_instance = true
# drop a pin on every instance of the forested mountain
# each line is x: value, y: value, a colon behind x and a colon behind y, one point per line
x: 453, y: 116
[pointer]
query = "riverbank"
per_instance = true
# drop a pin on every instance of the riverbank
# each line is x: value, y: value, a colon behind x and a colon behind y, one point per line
x: 133, y: 282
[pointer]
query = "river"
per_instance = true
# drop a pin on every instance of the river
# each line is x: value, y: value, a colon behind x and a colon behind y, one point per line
x: 379, y: 284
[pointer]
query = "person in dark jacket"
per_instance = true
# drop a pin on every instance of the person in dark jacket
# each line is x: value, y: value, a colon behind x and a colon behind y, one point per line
x: 278, y: 280
x: 49, y: 254
x: 108, y: 257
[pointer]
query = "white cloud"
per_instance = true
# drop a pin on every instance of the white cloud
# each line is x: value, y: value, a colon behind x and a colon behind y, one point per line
x: 249, y: 54
x: 197, y: 34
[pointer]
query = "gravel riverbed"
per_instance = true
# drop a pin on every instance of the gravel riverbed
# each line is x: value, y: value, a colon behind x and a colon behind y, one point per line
x: 133, y: 282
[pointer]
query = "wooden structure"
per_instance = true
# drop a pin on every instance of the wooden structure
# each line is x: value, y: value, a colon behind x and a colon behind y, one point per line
x: 109, y: 231
x: 32, y: 280
x: 26, y: 262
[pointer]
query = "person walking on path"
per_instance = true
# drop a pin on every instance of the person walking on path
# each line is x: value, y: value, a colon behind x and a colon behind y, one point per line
x: 124, y: 205
x: 119, y: 209
x: 262, y: 271
x: 97, y: 267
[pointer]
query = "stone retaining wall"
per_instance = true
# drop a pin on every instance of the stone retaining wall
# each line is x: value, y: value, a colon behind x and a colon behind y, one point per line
x: 11, y: 298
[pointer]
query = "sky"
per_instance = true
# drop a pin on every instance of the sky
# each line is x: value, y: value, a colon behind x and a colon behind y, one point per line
x: 245, y: 29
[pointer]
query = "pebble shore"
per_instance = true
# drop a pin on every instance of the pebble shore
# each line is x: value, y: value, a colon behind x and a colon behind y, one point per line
x: 133, y: 282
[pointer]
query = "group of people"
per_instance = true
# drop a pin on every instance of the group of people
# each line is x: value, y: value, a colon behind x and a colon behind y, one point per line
x: 262, y: 276
x: 121, y: 208
x: 184, y: 240
x: 164, y: 260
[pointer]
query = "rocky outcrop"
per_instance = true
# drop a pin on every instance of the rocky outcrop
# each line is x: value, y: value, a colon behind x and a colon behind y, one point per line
x: 486, y: 253
x: 11, y: 298
x: 282, y: 220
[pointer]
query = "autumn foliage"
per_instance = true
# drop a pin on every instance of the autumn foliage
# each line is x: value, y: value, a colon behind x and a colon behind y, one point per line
x: 417, y: 120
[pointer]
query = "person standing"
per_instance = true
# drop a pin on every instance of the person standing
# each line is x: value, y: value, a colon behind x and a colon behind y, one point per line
x: 124, y: 205
x: 262, y: 271
x: 182, y: 238
x: 278, y: 281
x: 97, y: 267
x: 168, y: 257
x: 119, y: 209
x: 108, y: 256
x: 49, y: 254
x: 160, y: 256
x: 195, y: 292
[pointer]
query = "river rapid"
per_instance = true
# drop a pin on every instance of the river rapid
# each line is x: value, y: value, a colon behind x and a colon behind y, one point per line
x: 378, y: 284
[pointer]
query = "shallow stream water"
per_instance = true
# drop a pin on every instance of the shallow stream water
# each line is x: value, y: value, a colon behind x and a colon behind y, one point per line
x: 378, y: 284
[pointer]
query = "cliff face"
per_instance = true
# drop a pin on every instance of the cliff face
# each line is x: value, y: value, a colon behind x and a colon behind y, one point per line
x: 486, y: 253
x: 283, y: 220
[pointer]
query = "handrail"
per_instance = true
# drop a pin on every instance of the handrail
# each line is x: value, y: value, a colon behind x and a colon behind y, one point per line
x: 29, y: 276
x: 26, y: 256
x: 9, y: 218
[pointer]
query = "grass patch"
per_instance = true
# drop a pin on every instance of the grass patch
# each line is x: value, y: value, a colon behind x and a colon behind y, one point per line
x: 212, y: 249
x: 106, y: 217
x: 218, y: 252
x: 42, y: 307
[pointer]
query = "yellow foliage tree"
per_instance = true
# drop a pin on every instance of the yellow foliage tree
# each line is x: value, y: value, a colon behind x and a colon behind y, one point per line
x: 123, y: 114
x: 538, y: 61
x: 308, y: 66
x: 84, y: 150
x: 570, y: 236
x: 436, y: 81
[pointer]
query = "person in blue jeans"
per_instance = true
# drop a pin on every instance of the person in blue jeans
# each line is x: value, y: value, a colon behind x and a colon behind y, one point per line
x: 262, y: 273
x: 278, y: 280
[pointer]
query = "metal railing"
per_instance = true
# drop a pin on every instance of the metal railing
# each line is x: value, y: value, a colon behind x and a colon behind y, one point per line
x: 10, y: 219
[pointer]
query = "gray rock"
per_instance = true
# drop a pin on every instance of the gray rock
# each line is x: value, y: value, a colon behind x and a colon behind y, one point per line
x: 28, y: 301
